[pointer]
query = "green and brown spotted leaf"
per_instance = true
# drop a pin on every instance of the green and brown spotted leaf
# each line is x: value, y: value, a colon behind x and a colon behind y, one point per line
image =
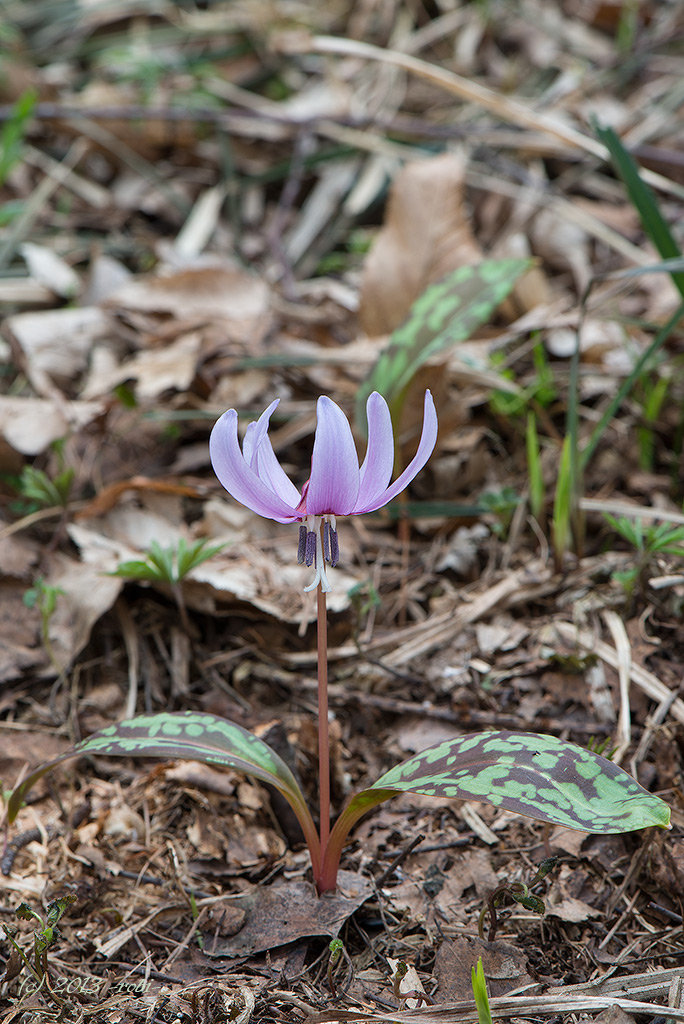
x: 538, y: 776
x: 446, y: 313
x: 181, y: 735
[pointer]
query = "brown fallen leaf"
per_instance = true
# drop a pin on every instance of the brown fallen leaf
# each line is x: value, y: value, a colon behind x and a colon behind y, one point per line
x: 54, y: 345
x: 505, y: 967
x: 85, y: 594
x: 29, y: 425
x: 168, y: 368
x: 285, y: 912
x: 227, y: 293
x: 426, y: 235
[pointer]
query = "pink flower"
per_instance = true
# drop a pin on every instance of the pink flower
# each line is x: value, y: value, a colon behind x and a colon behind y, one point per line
x: 336, y: 486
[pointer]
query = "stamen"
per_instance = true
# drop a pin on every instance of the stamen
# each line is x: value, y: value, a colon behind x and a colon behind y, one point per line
x: 310, y: 547
x: 326, y: 540
x: 301, y: 550
x: 314, y: 539
x: 334, y: 556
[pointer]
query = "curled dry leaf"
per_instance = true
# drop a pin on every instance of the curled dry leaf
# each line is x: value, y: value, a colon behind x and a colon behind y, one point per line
x: 85, y: 594
x: 171, y: 368
x: 426, y: 235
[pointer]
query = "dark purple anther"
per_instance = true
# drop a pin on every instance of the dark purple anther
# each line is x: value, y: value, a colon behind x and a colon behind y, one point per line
x: 334, y: 548
x: 301, y: 550
x: 310, y: 550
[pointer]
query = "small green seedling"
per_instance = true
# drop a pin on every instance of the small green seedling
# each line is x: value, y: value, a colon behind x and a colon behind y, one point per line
x: 43, y: 937
x: 169, y: 565
x: 337, y: 953
x: 502, y: 505
x: 43, y: 596
x: 517, y: 891
x: 602, y: 747
x: 38, y: 490
x: 400, y: 973
x: 651, y: 393
x: 648, y: 541
x: 534, y: 471
x: 564, y: 503
x: 479, y: 983
x: 541, y: 392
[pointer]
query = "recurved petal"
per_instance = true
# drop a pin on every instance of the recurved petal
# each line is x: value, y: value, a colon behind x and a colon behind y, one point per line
x: 259, y: 456
x: 334, y: 482
x: 427, y: 442
x: 376, y: 470
x: 273, y: 474
x: 239, y: 479
x: 256, y: 432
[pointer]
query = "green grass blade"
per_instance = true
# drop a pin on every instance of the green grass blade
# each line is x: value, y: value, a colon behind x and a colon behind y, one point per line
x: 627, y: 385
x: 643, y: 199
x: 563, y: 502
x: 534, y: 472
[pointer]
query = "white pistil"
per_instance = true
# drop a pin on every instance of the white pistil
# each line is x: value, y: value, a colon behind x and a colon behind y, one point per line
x: 321, y: 576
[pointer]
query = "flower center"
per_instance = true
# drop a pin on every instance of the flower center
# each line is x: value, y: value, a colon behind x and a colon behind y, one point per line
x: 318, y: 544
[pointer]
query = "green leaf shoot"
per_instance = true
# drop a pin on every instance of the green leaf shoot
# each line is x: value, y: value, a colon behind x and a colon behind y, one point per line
x: 480, y: 994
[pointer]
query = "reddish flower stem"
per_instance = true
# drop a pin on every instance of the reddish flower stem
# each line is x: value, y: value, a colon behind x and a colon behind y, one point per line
x: 323, y: 735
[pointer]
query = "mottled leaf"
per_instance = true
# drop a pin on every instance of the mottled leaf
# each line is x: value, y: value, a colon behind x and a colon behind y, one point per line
x: 539, y: 776
x: 446, y: 313
x: 183, y: 735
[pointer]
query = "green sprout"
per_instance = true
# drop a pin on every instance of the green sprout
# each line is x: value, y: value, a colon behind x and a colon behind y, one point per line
x: 502, y: 505
x: 169, y: 565
x: 43, y: 937
x: 337, y: 953
x: 534, y: 471
x: 479, y: 983
x: 13, y: 132
x: 541, y: 392
x: 602, y: 747
x: 43, y: 596
x: 517, y: 891
x: 648, y: 541
x: 564, y: 503
x: 399, y: 974
x: 39, y: 490
x: 652, y: 392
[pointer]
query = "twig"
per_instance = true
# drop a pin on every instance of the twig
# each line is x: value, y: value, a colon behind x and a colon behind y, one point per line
x: 401, y: 856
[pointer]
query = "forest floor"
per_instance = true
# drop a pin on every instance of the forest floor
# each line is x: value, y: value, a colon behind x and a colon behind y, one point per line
x: 210, y: 206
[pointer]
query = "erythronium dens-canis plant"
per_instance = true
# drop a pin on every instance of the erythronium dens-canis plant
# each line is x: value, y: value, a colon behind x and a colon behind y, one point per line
x: 539, y: 776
